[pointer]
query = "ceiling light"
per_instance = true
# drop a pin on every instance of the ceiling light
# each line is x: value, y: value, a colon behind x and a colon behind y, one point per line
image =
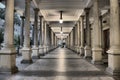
x: 61, y: 21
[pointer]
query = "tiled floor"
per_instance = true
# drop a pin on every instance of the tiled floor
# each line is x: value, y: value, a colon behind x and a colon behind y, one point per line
x: 60, y: 64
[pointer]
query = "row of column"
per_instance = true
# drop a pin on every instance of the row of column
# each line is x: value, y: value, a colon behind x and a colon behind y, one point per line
x: 43, y: 38
x: 79, y: 39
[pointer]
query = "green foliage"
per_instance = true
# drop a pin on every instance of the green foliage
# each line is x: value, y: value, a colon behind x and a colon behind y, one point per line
x: 16, y: 17
x: 16, y: 40
x: 1, y: 35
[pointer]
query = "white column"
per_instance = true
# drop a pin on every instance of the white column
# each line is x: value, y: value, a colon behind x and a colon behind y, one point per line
x: 26, y: 50
x: 87, y: 46
x: 82, y: 36
x: 35, y: 49
x: 8, y: 53
x: 114, y: 51
x: 41, y: 49
x: 97, y: 50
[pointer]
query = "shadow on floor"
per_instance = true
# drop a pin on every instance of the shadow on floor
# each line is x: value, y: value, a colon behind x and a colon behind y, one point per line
x: 42, y: 73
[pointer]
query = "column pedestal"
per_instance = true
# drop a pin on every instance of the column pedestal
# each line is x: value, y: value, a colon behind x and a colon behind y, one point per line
x: 35, y: 52
x: 114, y: 62
x: 81, y: 51
x: 78, y: 49
x: 45, y: 49
x: 8, y: 60
x: 41, y: 50
x: 97, y: 56
x: 87, y: 52
x: 26, y: 54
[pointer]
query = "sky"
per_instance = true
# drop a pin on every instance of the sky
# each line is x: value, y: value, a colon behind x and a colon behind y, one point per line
x: 2, y: 5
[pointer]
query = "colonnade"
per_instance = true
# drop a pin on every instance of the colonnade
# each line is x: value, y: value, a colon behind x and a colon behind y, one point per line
x: 93, y: 49
x: 79, y: 39
x: 44, y: 38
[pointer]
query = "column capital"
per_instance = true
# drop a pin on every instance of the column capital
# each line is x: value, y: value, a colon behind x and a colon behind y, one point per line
x: 36, y: 9
x: 82, y: 16
x: 22, y: 17
x: 87, y: 10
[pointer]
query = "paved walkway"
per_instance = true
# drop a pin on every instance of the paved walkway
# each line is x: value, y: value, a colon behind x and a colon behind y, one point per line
x: 61, y: 64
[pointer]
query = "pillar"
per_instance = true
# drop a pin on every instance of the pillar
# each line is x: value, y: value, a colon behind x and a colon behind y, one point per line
x: 82, y: 36
x: 114, y: 51
x: 45, y: 37
x: 96, y: 50
x: 78, y: 37
x: 22, y: 30
x: 35, y: 49
x: 26, y: 50
x: 41, y: 49
x: 87, y: 46
x: 8, y: 52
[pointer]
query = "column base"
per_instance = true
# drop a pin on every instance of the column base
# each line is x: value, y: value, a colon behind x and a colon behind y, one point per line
x: 35, y: 51
x: 97, y: 56
x: 26, y: 54
x: 8, y: 61
x: 41, y: 51
x: 27, y: 61
x: 87, y: 52
x: 45, y: 50
x: 81, y: 51
x: 113, y: 72
x: 78, y: 50
x: 96, y: 62
x: 113, y: 62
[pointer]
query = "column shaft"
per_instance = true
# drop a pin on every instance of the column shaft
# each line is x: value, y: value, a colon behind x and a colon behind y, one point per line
x: 114, y: 51
x: 41, y: 49
x: 97, y: 50
x: 88, y: 36
x: 8, y: 53
x: 35, y: 49
x: 26, y: 50
x: 82, y: 36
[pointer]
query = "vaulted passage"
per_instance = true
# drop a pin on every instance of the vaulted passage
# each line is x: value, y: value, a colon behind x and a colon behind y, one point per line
x: 61, y: 64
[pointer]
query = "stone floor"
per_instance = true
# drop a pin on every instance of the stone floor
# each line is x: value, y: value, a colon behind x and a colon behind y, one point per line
x: 60, y: 64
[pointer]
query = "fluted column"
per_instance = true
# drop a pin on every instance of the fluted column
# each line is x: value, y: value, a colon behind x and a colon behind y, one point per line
x: 114, y: 51
x: 97, y: 50
x: 87, y: 46
x: 41, y: 49
x: 8, y: 52
x: 35, y: 49
x: 22, y: 30
x: 26, y: 50
x: 82, y: 36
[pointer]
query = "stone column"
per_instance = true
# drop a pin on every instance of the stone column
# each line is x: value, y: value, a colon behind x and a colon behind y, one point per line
x: 26, y: 50
x: 78, y: 37
x: 82, y: 37
x: 87, y: 46
x: 8, y: 52
x: 97, y: 50
x: 114, y: 51
x: 35, y: 49
x: 52, y: 39
x: 22, y: 31
x: 41, y: 49
x: 45, y: 36
x: 75, y: 37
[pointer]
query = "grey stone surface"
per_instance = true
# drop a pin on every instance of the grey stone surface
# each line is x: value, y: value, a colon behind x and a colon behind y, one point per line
x: 60, y: 64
